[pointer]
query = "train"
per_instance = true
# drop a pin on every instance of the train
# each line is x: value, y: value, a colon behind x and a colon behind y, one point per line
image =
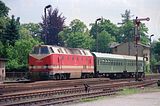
x: 55, y: 62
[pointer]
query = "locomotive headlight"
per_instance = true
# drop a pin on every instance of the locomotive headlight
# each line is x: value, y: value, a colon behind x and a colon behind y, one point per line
x: 31, y: 67
x: 46, y: 66
x: 34, y: 67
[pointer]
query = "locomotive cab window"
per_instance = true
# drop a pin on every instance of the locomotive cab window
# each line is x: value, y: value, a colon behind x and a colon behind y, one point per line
x: 44, y: 50
x: 35, y: 50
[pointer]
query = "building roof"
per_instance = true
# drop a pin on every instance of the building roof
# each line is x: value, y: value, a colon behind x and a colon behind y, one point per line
x: 116, y: 45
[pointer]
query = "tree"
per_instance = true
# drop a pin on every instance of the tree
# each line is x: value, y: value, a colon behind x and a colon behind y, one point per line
x: 51, y: 26
x: 3, y: 19
x: 76, y: 35
x: 3, y: 9
x: 104, y: 39
x: 144, y: 38
x: 2, y: 50
x: 127, y: 29
x: 18, y: 54
x: 104, y: 25
x: 157, y: 49
x: 104, y: 31
x: 33, y: 28
x: 126, y: 16
x: 12, y: 31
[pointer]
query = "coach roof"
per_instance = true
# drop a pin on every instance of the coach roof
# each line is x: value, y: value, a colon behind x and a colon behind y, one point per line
x: 107, y: 55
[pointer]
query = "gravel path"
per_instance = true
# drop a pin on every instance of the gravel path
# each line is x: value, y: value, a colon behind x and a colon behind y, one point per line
x: 144, y: 99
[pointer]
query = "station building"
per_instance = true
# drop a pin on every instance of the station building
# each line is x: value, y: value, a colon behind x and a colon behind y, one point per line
x: 2, y: 69
x: 129, y: 48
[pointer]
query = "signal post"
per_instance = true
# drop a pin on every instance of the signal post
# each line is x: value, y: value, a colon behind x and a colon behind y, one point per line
x: 137, y: 23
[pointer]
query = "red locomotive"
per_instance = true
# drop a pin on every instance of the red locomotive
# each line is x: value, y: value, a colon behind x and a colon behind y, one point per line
x: 54, y: 62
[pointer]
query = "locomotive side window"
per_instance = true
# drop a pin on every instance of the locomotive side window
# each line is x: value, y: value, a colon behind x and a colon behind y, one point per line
x: 51, y: 49
x: 44, y: 50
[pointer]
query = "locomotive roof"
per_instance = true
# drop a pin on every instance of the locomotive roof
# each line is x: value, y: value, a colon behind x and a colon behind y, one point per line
x: 116, y: 56
x: 65, y: 50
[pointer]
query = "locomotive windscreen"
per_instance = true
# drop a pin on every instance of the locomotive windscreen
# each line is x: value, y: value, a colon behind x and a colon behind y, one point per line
x: 40, y: 50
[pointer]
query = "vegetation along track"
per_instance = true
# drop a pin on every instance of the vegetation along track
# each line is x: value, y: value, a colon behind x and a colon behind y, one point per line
x: 48, y: 97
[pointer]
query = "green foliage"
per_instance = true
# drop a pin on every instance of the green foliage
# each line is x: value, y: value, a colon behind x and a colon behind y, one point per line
x: 76, y: 35
x: 104, y: 39
x: 11, y: 31
x: 106, y: 32
x: 78, y: 26
x: 157, y: 50
x: 79, y: 40
x: 127, y: 29
x: 18, y: 54
x: 126, y: 16
x: 143, y: 33
x: 128, y: 91
x: 2, y: 49
x: 3, y: 9
x: 104, y: 25
x: 126, y: 32
x: 31, y: 29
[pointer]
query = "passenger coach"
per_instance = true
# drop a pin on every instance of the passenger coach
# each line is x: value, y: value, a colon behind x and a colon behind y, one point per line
x: 117, y: 66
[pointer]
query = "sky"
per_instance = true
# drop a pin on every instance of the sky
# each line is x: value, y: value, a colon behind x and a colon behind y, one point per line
x: 89, y: 10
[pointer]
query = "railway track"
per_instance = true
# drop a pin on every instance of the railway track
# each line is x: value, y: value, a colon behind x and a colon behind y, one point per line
x: 51, y: 97
x: 43, y: 85
x: 54, y: 85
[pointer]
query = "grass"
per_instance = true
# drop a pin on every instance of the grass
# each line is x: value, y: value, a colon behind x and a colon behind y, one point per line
x: 128, y: 91
x: 91, y: 99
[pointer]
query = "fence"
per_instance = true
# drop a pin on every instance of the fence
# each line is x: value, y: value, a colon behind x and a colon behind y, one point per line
x: 16, y: 75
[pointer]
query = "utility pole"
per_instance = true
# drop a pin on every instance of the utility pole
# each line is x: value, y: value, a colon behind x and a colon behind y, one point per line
x: 137, y: 23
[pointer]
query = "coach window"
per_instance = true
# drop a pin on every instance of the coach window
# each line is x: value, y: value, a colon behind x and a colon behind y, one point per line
x: 108, y: 62
x: 114, y: 62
